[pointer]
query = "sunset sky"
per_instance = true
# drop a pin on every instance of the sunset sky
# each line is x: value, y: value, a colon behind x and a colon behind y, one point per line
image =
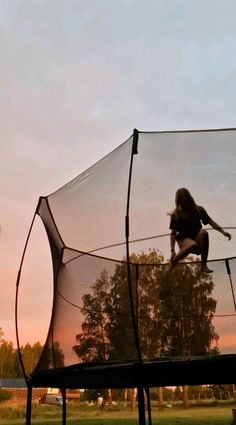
x: 76, y: 78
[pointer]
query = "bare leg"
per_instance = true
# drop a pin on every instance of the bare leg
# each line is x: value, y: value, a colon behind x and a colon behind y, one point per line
x: 186, y: 246
x: 203, y: 241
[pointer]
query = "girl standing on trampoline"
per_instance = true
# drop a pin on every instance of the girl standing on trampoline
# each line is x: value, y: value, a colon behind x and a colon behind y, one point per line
x: 186, y: 229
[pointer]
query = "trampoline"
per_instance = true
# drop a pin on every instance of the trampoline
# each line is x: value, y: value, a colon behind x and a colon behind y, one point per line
x: 118, y: 321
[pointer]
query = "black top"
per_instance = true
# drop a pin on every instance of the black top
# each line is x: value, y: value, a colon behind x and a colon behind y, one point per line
x: 189, y: 226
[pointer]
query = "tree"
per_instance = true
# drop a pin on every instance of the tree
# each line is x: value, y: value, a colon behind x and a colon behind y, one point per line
x: 7, y: 359
x: 188, y: 308
x: 52, y: 356
x: 107, y: 329
x: 173, y: 313
x: 10, y: 366
x: 92, y: 343
x: 31, y: 355
x: 160, y: 398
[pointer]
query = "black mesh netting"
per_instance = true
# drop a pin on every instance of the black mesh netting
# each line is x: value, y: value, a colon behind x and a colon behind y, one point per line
x: 100, y: 312
x: 184, y: 314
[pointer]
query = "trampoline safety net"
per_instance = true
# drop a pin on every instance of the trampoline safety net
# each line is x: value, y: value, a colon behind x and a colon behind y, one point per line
x: 107, y: 309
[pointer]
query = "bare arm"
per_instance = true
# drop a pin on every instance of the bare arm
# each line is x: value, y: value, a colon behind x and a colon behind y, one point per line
x: 219, y: 229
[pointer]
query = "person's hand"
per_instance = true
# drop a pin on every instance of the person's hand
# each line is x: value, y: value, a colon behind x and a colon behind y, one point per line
x: 227, y: 235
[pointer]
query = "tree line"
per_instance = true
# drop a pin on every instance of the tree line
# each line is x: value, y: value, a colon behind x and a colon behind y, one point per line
x: 9, y: 358
x: 173, y: 312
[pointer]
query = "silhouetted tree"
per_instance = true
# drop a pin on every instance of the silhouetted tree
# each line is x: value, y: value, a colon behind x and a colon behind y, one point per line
x: 7, y: 359
x: 52, y: 356
x: 187, y: 308
x: 173, y: 313
x: 31, y: 355
x: 107, y: 329
x: 93, y: 343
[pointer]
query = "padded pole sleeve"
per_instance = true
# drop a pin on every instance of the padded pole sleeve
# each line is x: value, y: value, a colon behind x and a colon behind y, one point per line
x: 135, y: 141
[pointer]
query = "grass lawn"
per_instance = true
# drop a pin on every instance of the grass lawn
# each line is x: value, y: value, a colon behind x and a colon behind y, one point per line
x: 51, y: 415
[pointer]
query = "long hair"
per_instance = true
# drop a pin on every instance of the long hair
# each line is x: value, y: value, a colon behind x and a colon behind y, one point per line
x: 185, y: 206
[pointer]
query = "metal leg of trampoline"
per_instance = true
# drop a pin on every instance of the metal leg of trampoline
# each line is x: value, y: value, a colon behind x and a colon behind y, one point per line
x: 141, y: 406
x: 63, y: 392
x: 29, y: 405
x: 149, y: 408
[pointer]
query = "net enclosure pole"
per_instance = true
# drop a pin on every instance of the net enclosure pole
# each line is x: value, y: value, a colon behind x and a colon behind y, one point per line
x: 17, y: 296
x: 141, y: 404
x: 230, y: 281
x: 134, y: 321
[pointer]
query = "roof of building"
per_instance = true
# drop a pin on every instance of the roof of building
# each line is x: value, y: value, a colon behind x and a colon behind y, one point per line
x: 12, y: 383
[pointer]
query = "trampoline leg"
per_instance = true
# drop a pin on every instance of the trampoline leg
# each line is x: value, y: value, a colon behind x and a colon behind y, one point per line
x: 29, y: 405
x: 149, y: 409
x: 63, y: 392
x: 141, y: 406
